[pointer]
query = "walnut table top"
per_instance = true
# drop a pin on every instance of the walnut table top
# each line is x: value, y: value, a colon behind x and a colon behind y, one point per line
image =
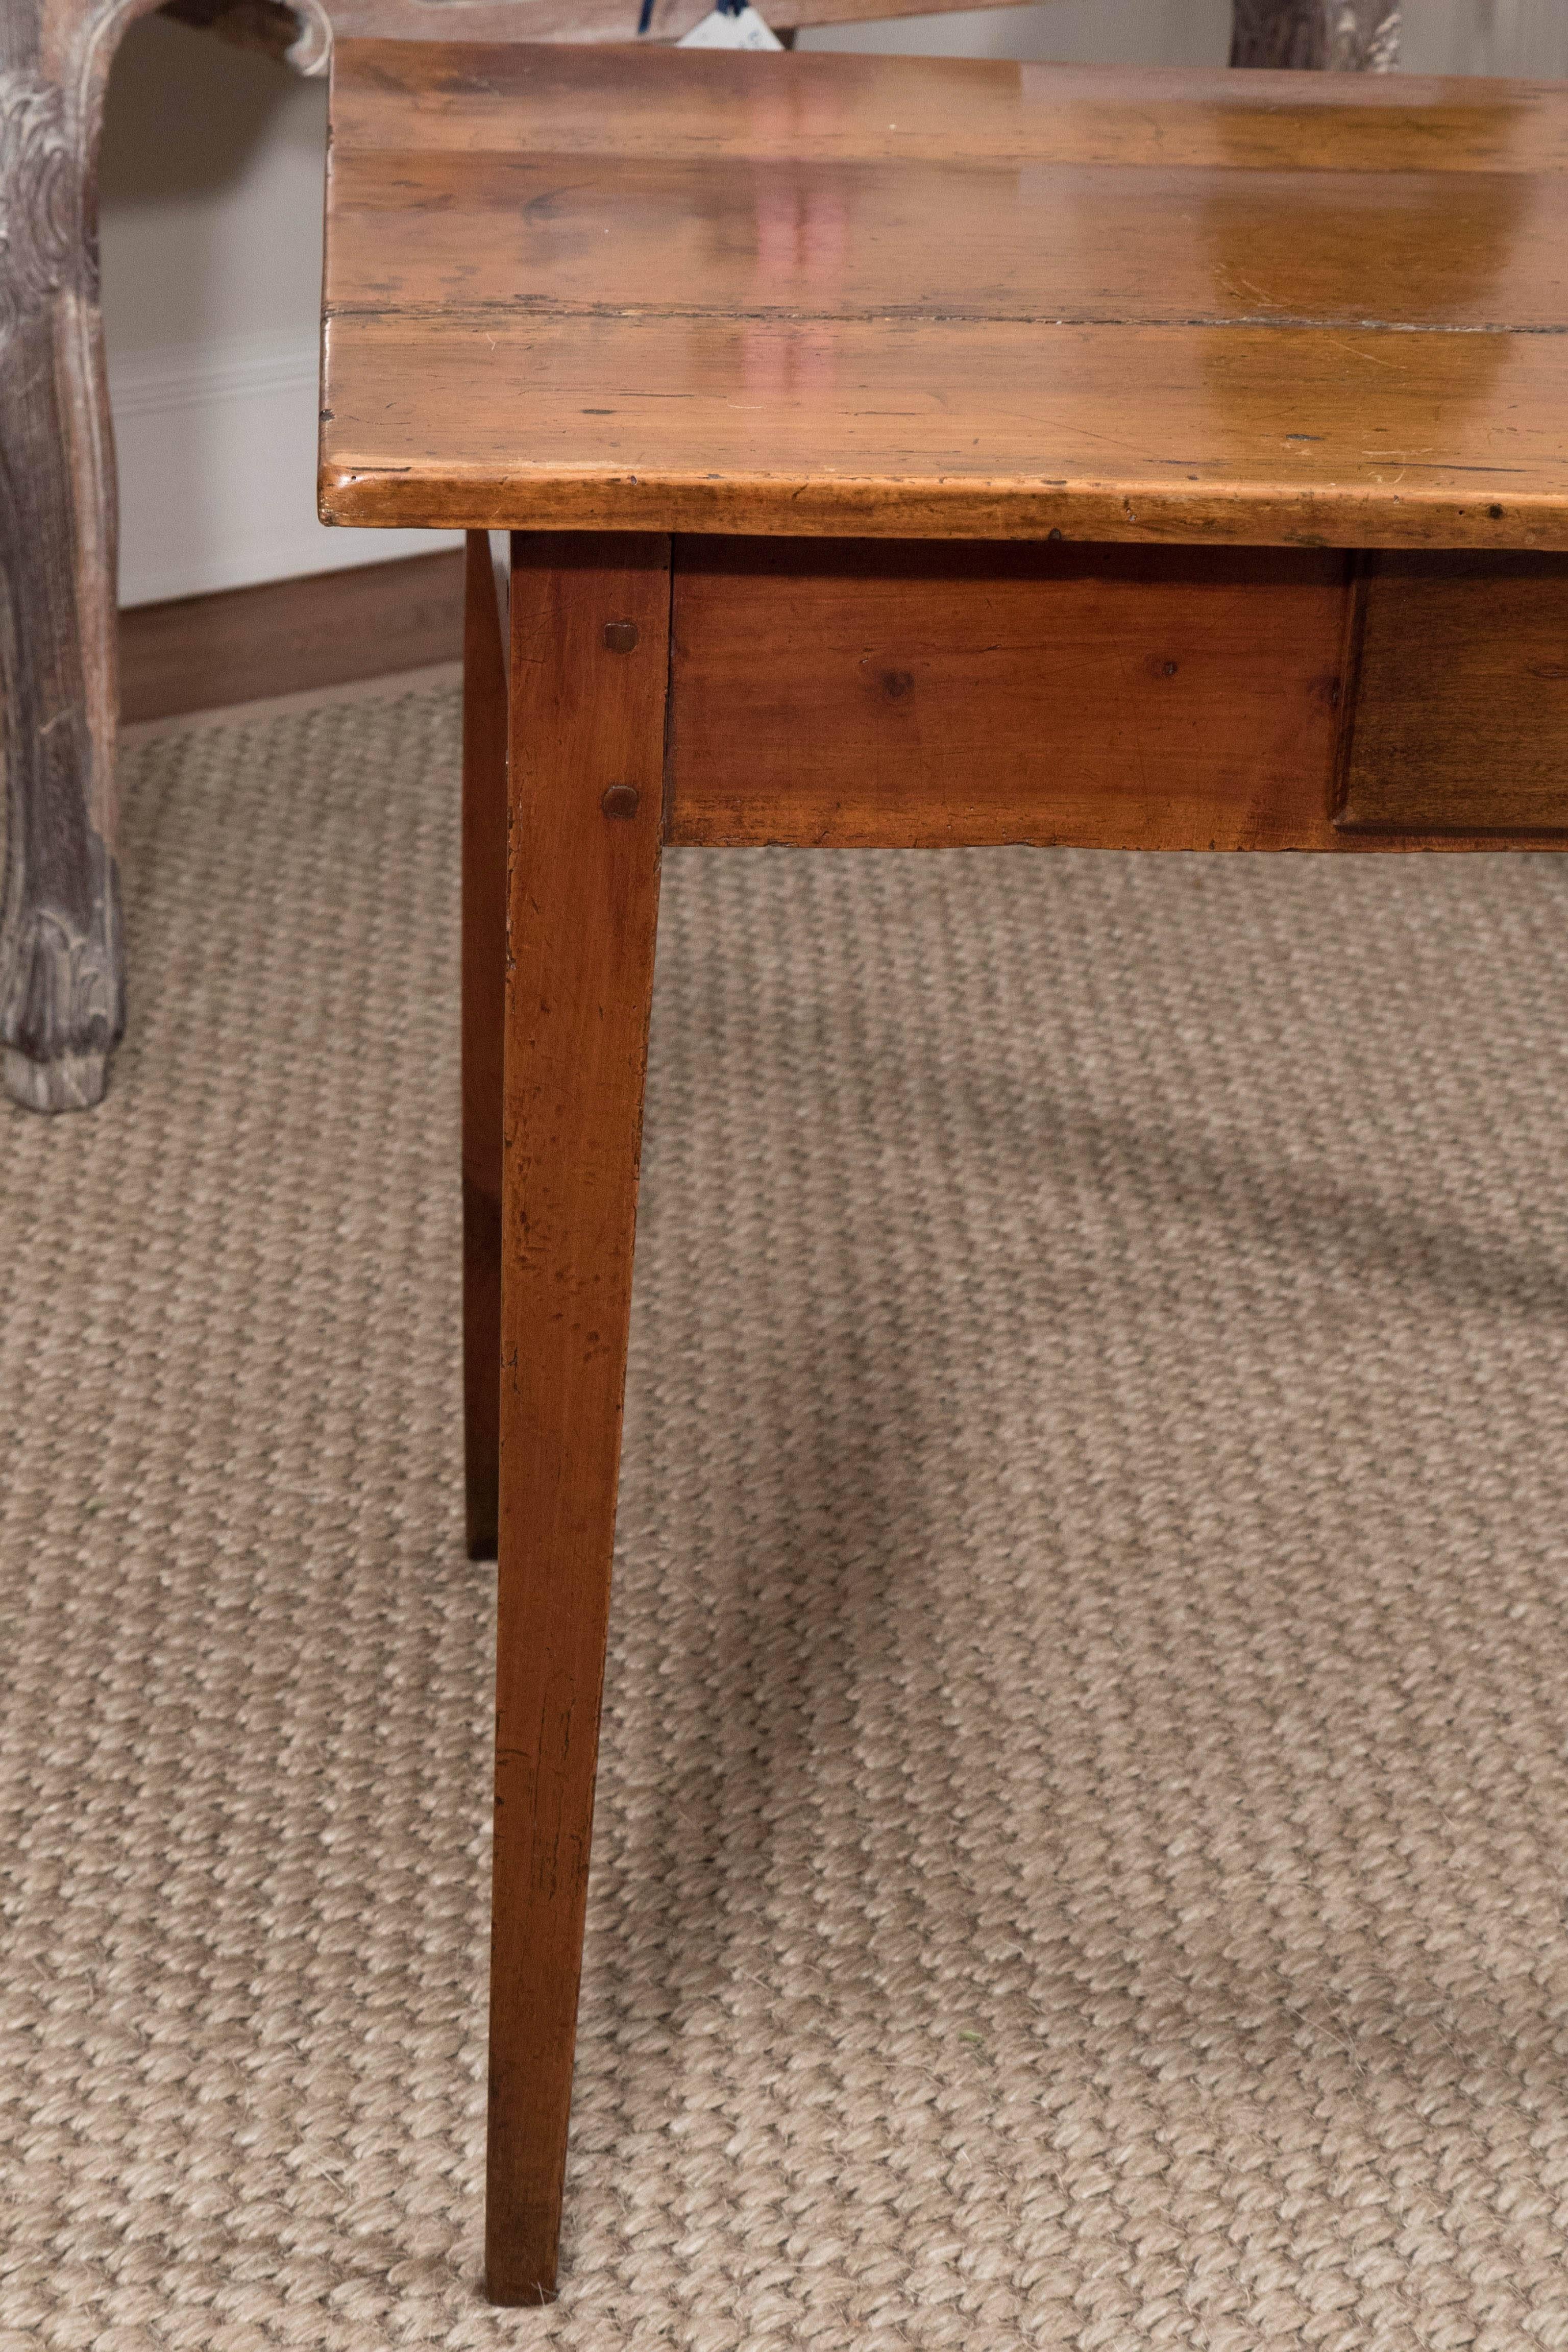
x: 622, y: 288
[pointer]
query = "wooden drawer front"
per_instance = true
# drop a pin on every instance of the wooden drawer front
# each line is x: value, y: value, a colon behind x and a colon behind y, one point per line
x: 859, y: 693
x: 1461, y: 724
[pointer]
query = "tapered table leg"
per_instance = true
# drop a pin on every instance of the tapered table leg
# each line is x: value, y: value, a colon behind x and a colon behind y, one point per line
x: 589, y: 661
x: 484, y: 992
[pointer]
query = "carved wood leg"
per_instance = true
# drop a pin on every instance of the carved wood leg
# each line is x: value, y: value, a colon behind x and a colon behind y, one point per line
x: 61, y: 960
x: 590, y: 651
x: 62, y: 971
x: 1343, y: 35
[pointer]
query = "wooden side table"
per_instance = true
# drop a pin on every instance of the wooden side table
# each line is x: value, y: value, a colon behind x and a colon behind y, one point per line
x: 898, y: 453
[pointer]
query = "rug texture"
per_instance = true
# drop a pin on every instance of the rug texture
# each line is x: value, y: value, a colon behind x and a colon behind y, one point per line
x: 1083, y: 1819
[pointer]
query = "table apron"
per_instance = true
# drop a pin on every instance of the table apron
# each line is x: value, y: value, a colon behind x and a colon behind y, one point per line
x: 923, y: 694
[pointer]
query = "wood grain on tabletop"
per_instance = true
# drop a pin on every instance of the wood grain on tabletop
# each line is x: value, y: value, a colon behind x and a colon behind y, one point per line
x: 919, y: 297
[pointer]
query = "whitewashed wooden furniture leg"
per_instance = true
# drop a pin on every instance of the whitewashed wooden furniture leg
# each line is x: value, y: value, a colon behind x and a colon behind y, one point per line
x: 62, y: 965
x: 1340, y: 36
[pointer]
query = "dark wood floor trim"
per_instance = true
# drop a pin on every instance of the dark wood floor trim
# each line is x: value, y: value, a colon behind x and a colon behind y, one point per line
x: 288, y: 637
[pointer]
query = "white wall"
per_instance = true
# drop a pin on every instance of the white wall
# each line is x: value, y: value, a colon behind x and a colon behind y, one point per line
x: 212, y: 181
x: 211, y: 227
x: 1099, y: 32
x: 1487, y: 37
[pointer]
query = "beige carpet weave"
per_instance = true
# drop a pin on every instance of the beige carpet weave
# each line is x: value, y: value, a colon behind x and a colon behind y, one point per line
x: 1083, y: 1835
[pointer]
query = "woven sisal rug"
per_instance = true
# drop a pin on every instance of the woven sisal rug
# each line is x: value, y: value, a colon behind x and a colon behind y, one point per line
x: 1083, y: 1834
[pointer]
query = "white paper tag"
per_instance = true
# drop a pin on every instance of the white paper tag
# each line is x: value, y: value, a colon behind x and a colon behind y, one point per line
x: 718, y: 31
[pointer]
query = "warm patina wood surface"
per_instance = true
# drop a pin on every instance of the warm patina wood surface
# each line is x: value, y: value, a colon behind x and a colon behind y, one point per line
x: 1459, y: 699
x: 486, y: 629
x: 590, y: 627
x: 850, y: 694
x: 926, y: 298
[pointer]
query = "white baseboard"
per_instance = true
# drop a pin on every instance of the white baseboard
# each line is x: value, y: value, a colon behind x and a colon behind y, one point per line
x: 216, y: 445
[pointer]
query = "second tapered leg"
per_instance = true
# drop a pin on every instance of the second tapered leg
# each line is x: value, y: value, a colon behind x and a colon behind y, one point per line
x: 484, y: 990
